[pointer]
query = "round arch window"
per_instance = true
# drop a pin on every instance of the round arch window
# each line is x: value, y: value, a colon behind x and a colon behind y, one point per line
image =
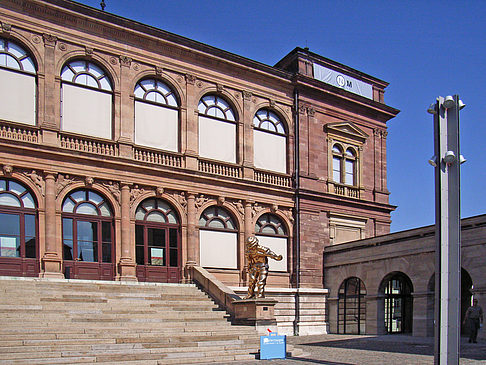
x: 218, y: 239
x: 157, y: 234
x: 272, y: 233
x: 87, y: 226
x: 352, y: 306
x: 18, y: 221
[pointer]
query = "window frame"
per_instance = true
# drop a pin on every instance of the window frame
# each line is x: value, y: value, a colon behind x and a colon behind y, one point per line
x: 99, y: 219
x: 343, y: 158
x: 21, y: 212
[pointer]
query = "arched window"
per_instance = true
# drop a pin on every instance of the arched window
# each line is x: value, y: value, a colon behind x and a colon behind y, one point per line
x: 17, y: 84
x: 157, y: 241
x: 218, y: 238
x: 87, y: 231
x: 269, y: 141
x: 272, y: 233
x: 217, y: 129
x: 87, y: 99
x: 18, y: 223
x: 352, y: 307
x: 344, y: 169
x: 156, y: 115
x: 398, y: 304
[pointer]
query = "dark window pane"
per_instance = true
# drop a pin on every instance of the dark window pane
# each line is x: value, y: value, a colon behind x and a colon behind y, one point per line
x: 9, y: 224
x: 67, y: 248
x: 156, y: 237
x: 139, y: 234
x: 30, y: 251
x: 173, y: 237
x: 67, y: 229
x: 173, y: 258
x: 106, y: 252
x: 106, y: 232
x: 140, y: 255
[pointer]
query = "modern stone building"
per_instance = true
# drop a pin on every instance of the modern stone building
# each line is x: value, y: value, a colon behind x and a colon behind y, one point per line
x: 386, y: 284
x: 130, y: 153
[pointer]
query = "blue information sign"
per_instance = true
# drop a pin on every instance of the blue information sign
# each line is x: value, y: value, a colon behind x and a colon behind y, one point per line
x: 273, y: 347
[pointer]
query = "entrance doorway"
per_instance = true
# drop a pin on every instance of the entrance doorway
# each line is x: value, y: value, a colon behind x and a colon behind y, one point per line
x: 87, y: 231
x: 157, y: 242
x: 398, y: 304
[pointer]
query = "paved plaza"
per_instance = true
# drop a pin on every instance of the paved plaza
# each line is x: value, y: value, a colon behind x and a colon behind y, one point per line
x: 372, y: 350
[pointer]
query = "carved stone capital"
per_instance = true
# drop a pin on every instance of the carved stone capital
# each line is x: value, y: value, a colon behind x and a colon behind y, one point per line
x: 89, y: 51
x: 49, y: 40
x: 6, y: 27
x: 247, y: 95
x: 125, y: 61
x: 190, y: 79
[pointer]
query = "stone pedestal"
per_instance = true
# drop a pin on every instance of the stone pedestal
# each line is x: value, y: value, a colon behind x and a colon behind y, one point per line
x: 258, y: 312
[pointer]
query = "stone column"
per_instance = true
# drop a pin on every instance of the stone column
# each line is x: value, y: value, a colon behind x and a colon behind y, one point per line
x: 51, y: 261
x: 192, y: 239
x: 127, y: 265
x: 52, y: 99
x: 192, y: 123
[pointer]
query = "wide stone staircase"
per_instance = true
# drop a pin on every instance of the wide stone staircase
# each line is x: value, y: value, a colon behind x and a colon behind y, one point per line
x: 47, y: 321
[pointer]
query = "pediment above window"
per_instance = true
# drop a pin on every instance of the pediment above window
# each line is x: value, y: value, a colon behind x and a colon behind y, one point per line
x: 347, y: 130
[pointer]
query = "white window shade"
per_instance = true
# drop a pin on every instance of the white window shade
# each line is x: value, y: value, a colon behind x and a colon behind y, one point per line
x: 217, y: 139
x: 279, y: 246
x: 270, y: 151
x: 156, y: 126
x: 218, y: 249
x: 86, y: 111
x: 17, y: 97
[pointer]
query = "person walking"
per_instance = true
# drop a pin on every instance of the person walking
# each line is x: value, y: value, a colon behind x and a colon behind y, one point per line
x: 473, y: 318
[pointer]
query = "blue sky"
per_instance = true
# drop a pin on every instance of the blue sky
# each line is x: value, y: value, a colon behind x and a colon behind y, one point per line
x: 422, y: 48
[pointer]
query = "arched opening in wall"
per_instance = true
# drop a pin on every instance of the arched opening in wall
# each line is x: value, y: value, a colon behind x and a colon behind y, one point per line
x: 352, y: 307
x: 466, y: 301
x: 19, y: 249
x: 86, y: 100
x: 398, y: 303
x: 157, y: 242
x: 217, y: 129
x: 218, y: 239
x: 18, y: 89
x: 156, y: 115
x: 466, y: 297
x: 88, y: 236
x: 272, y: 233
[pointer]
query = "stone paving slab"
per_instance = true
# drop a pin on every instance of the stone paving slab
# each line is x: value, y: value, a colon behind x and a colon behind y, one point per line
x: 371, y: 350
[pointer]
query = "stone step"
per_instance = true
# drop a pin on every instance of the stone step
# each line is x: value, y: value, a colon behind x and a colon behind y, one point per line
x: 45, y: 321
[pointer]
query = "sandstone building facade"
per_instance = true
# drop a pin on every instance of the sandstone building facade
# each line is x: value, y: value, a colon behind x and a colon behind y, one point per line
x: 130, y: 153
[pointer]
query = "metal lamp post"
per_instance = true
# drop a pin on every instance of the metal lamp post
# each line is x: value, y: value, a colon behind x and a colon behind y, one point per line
x: 447, y: 160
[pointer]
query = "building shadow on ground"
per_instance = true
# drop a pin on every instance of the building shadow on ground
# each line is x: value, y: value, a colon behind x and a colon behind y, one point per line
x: 411, y: 346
